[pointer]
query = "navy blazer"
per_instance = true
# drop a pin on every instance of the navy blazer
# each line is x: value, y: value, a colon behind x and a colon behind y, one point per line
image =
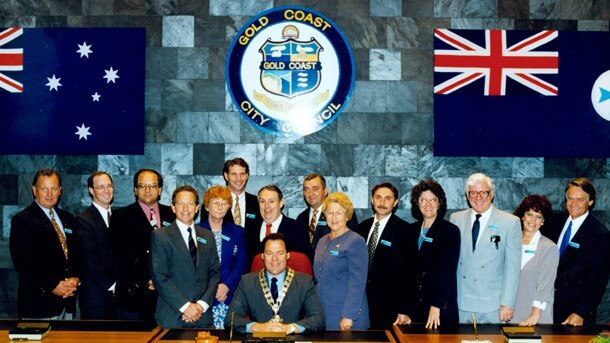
x: 582, y: 274
x: 40, y: 261
x: 98, y: 266
x: 295, y: 234
x: 234, y: 256
x: 395, y: 251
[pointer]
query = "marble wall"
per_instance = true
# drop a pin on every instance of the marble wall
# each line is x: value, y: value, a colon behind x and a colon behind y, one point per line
x: 385, y: 133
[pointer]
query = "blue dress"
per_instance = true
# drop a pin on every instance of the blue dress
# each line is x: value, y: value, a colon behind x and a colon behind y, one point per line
x: 340, y: 270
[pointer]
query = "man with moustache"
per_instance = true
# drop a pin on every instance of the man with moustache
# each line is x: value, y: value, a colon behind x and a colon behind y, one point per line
x: 185, y: 266
x: 130, y: 231
x: 490, y: 256
x: 271, y: 202
x: 314, y: 193
x: 391, y: 247
x: 43, y: 250
x: 96, y: 295
x: 584, y: 262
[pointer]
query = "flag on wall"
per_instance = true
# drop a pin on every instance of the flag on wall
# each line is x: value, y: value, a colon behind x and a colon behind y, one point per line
x: 521, y: 93
x: 72, y: 90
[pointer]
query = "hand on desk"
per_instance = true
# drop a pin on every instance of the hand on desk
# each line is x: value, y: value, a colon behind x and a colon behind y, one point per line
x: 573, y: 319
x: 271, y: 327
x: 346, y: 324
x: 402, y: 319
x: 434, y: 318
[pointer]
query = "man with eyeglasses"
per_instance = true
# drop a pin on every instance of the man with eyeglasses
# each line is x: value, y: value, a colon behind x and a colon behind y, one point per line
x: 185, y: 266
x: 130, y: 230
x: 43, y: 250
x: 490, y: 256
x: 584, y: 262
x: 98, y: 268
x: 391, y: 248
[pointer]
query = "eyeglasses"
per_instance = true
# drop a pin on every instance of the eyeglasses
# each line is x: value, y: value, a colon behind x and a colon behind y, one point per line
x: 330, y: 214
x: 432, y: 201
x: 219, y: 203
x: 482, y: 194
x: 101, y: 187
x: 150, y: 186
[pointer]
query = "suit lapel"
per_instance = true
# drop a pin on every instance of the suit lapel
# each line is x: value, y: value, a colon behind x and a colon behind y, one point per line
x: 178, y: 241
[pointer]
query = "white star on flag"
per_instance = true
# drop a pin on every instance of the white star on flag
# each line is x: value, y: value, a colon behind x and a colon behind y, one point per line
x: 84, y: 50
x: 53, y: 82
x: 96, y: 97
x: 111, y: 75
x: 83, y: 132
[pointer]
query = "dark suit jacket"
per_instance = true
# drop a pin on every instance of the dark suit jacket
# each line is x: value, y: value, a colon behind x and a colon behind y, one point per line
x: 253, y: 214
x: 295, y: 235
x: 177, y: 280
x: 582, y: 274
x: 436, y: 282
x: 234, y: 256
x: 130, y: 241
x: 395, y: 252
x: 321, y: 227
x: 97, y: 265
x: 301, y: 304
x: 40, y: 261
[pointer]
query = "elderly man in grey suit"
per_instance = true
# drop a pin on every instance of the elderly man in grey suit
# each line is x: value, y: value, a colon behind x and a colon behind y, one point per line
x: 276, y: 298
x: 490, y: 256
x: 185, y: 267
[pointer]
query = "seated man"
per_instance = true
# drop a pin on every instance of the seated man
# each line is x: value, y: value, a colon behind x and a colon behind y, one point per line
x: 275, y: 298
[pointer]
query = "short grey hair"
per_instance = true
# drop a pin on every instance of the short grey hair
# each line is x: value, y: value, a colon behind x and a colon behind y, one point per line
x: 478, y: 177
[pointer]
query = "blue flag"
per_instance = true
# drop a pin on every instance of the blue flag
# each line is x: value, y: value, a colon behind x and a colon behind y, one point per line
x: 72, y: 90
x: 521, y: 93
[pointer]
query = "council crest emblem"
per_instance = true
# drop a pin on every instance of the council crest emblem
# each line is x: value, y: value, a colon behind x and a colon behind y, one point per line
x: 290, y: 71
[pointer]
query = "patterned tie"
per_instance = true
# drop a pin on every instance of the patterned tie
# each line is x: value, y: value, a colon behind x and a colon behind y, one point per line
x: 373, y: 242
x: 312, y: 225
x: 267, y: 230
x: 237, y: 212
x: 192, y: 247
x: 566, y: 239
x: 274, y: 288
x: 60, y: 235
x: 475, y: 231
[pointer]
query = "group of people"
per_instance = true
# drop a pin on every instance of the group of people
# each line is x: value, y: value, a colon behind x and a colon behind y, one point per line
x: 148, y: 260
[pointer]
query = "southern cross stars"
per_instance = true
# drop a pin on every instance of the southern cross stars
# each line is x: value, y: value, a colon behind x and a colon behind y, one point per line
x: 111, y: 75
x: 53, y: 82
x: 84, y: 50
x: 82, y: 131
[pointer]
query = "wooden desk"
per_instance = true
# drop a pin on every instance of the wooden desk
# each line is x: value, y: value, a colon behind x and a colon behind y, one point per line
x: 370, y: 336
x: 416, y: 333
x: 92, y: 331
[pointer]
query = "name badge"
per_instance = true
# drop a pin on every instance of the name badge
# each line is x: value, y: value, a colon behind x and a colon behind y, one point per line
x: 334, y: 253
x: 250, y: 215
x: 322, y: 223
x: 574, y: 245
x: 386, y: 243
x: 201, y: 240
x: 527, y: 251
x: 66, y: 230
x: 428, y: 239
x: 226, y: 238
x: 493, y: 226
x: 166, y: 223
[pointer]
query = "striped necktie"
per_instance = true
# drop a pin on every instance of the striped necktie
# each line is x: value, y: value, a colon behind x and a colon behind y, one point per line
x: 192, y: 247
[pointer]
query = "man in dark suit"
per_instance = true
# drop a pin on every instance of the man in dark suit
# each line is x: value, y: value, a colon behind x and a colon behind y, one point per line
x: 314, y: 193
x: 43, y: 250
x: 130, y: 230
x: 392, y: 247
x: 276, y: 298
x: 185, y: 266
x: 584, y: 262
x: 271, y: 202
x: 98, y: 268
x: 245, y: 211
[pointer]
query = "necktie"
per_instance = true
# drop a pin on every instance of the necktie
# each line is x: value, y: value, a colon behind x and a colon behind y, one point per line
x: 237, y: 212
x: 566, y: 239
x: 373, y: 242
x: 312, y: 225
x: 422, y: 235
x: 60, y: 235
x: 475, y: 231
x: 153, y: 221
x: 192, y: 247
x: 267, y: 230
x: 108, y: 217
x: 274, y: 288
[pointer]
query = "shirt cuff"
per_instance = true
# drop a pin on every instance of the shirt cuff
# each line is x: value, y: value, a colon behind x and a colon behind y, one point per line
x: 204, y: 305
x: 540, y: 304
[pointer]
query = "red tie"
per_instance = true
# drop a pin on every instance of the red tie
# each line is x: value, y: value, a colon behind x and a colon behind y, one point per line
x: 268, y: 230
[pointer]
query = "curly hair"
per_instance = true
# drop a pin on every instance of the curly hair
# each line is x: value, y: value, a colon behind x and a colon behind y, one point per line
x: 537, y: 203
x: 341, y: 199
x: 218, y: 192
x: 436, y: 189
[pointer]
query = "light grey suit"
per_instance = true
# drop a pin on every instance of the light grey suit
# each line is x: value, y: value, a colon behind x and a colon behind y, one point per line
x: 177, y: 280
x: 489, y: 276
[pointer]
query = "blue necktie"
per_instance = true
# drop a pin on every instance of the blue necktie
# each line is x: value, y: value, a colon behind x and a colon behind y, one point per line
x: 274, y: 288
x: 566, y: 239
x: 192, y: 248
x: 475, y: 231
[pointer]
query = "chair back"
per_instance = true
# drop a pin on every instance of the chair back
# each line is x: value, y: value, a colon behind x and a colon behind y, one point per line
x: 298, y: 261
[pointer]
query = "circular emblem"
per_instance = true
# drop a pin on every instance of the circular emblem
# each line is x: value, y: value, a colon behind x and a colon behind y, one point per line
x: 600, y: 95
x: 290, y: 71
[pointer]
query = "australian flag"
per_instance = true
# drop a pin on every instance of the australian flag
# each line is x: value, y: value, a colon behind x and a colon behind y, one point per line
x: 72, y: 90
x: 521, y: 93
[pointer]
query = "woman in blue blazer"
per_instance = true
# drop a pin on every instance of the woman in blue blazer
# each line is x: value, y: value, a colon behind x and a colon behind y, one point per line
x: 231, y: 246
